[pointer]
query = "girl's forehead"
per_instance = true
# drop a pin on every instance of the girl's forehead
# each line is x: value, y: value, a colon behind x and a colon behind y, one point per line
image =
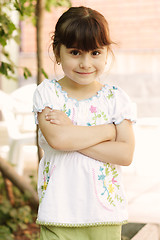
x: 82, y: 49
x: 93, y: 49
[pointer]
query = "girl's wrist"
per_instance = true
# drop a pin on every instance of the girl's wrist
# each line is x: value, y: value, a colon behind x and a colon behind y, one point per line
x: 110, y: 131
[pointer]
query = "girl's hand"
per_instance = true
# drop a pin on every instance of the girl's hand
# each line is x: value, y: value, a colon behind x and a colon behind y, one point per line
x: 58, y: 117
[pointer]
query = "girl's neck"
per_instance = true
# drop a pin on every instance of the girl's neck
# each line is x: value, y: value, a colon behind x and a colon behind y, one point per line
x: 77, y: 91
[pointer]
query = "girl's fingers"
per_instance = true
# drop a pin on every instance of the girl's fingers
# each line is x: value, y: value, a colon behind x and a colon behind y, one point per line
x: 50, y: 116
x: 55, y: 114
x: 55, y: 121
x: 47, y: 117
x: 57, y: 117
x: 53, y: 118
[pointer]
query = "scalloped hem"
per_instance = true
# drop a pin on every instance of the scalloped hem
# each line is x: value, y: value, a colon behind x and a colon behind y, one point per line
x: 81, y: 224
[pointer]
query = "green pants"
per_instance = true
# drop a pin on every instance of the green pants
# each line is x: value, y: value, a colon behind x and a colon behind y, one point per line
x: 112, y: 232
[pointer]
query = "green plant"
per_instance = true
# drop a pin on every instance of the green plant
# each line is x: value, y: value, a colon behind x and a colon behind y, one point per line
x: 9, y: 30
x: 14, y: 218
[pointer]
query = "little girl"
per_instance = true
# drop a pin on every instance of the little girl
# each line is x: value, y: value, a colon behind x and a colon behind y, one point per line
x: 85, y: 130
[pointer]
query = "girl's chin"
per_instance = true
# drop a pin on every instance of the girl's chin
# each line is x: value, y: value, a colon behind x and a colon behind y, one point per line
x: 83, y: 81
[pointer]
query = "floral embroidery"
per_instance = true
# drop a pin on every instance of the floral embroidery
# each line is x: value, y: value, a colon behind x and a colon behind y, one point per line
x: 102, y: 178
x: 68, y: 112
x: 56, y: 92
x: 100, y: 114
x: 46, y: 177
x: 73, y: 117
x: 94, y: 180
x: 119, y: 198
x: 111, y: 188
x: 110, y: 95
x: 93, y: 109
x: 107, y: 177
x: 115, y: 88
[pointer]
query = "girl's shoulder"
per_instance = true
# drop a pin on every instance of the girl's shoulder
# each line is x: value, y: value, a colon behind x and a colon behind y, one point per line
x: 47, y: 88
x: 45, y: 93
x: 44, y: 96
x: 120, y: 104
x: 46, y: 84
x: 124, y: 107
x: 113, y: 92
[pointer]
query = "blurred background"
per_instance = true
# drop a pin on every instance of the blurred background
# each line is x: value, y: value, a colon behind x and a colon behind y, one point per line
x: 135, y: 27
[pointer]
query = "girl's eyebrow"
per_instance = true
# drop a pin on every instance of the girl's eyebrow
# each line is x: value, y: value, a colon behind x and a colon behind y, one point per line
x: 72, y: 47
x: 90, y: 50
x: 75, y: 48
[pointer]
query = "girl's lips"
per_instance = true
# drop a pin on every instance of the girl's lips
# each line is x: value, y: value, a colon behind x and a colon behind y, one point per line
x: 85, y: 73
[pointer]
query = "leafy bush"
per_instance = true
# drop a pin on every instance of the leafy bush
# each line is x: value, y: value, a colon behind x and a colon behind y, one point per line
x: 14, y: 218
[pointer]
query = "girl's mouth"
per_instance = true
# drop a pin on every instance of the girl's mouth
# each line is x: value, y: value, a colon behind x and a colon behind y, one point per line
x: 85, y: 73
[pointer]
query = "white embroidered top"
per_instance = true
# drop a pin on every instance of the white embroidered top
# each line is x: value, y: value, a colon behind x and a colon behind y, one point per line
x: 76, y: 190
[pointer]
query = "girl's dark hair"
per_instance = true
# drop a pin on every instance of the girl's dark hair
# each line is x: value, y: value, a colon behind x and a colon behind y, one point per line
x: 82, y: 28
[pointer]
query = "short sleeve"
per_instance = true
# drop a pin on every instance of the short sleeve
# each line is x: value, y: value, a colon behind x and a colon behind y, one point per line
x: 42, y: 97
x: 124, y: 108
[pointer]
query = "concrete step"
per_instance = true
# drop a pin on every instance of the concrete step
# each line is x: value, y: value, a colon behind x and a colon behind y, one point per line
x: 148, y: 232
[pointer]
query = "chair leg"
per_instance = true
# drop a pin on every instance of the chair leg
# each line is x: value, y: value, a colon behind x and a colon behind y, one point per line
x: 15, y: 156
x: 20, y: 161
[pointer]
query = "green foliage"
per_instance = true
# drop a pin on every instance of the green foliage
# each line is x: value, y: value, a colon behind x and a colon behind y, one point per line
x: 44, y: 73
x: 5, y: 68
x: 9, y: 31
x: 7, y: 28
x: 26, y: 73
x: 5, y: 233
x: 57, y: 3
x: 13, y: 218
x: 25, y: 7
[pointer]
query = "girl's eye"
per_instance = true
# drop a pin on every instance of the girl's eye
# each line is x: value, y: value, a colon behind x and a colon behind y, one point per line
x: 75, y: 52
x: 95, y: 53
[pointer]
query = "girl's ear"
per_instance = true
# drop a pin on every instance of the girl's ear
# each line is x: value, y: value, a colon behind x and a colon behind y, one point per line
x: 56, y: 54
x: 58, y: 60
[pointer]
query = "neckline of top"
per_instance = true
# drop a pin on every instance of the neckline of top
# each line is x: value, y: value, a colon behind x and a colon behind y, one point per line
x: 97, y: 95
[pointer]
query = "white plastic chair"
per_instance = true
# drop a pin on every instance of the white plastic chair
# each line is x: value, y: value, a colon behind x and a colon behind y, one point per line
x: 16, y: 139
x: 22, y: 106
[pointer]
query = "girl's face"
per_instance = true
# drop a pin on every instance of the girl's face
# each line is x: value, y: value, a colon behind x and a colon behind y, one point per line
x: 83, y: 67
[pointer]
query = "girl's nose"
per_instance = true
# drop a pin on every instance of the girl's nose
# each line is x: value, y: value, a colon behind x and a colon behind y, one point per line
x: 85, y: 61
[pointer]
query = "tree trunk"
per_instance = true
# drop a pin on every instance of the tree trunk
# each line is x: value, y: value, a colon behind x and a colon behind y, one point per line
x: 39, y: 40
x: 9, y: 190
x: 20, y: 182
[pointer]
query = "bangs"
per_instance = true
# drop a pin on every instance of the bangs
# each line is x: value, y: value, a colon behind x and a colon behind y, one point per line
x: 86, y: 34
x: 82, y: 28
